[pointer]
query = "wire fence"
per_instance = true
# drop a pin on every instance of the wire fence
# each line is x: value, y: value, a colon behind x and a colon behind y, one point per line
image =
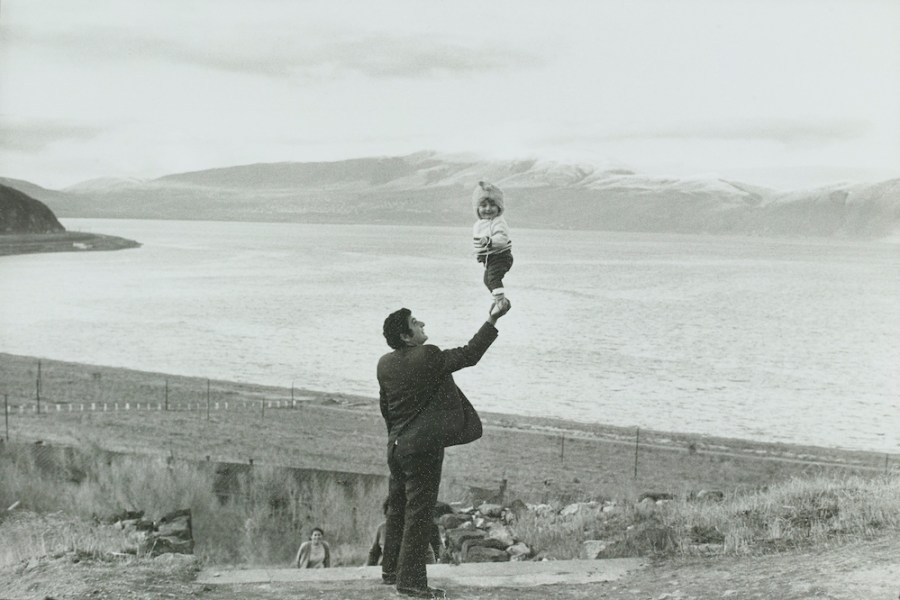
x: 36, y: 408
x: 34, y: 388
x: 31, y: 387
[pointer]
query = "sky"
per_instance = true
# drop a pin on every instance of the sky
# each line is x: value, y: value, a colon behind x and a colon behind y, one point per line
x: 785, y: 93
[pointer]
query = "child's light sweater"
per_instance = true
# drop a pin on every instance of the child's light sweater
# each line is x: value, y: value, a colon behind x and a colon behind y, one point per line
x: 497, y: 232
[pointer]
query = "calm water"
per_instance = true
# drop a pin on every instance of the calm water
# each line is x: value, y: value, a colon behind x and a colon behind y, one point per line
x: 769, y: 340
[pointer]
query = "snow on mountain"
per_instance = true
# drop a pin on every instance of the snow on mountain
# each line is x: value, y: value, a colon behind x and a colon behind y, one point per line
x: 432, y: 188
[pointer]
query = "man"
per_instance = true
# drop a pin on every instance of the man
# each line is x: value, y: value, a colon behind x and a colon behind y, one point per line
x: 416, y: 392
x: 435, y: 544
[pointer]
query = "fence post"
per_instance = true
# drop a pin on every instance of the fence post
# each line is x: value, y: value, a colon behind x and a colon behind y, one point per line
x: 263, y: 402
x: 562, y: 447
x: 292, y: 394
x: 637, y: 439
x: 207, y: 399
x: 6, y: 414
x: 37, y: 388
x: 167, y: 394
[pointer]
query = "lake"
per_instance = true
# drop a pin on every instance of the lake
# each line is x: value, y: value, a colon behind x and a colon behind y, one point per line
x: 773, y: 340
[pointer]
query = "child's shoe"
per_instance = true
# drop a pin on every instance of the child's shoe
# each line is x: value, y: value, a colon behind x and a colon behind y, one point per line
x: 500, y: 301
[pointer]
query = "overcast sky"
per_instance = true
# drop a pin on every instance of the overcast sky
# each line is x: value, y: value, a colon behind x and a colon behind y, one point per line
x: 780, y: 92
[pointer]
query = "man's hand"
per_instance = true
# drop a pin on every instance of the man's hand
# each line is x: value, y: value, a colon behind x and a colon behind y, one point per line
x: 498, y: 309
x: 481, y: 242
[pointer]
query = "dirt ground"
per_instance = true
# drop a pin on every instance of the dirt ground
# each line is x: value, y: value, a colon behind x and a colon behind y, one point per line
x: 861, y: 571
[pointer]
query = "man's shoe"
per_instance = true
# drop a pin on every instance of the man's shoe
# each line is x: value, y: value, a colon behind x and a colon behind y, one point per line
x: 427, y: 592
x: 389, y: 579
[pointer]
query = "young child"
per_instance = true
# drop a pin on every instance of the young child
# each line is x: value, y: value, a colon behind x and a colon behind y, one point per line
x: 491, y: 237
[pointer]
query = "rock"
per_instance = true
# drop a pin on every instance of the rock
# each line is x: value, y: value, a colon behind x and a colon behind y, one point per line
x: 136, y: 525
x: 591, y: 549
x: 609, y: 508
x: 175, y: 514
x: 484, y: 542
x: 456, y: 537
x: 519, y: 551
x: 490, y: 510
x: 497, y: 531
x: 570, y: 510
x: 173, y: 534
x: 452, y: 520
x: 574, y: 509
x: 478, y: 554
x: 157, y: 545
x: 179, y: 528
x: 542, y: 510
x: 125, y: 515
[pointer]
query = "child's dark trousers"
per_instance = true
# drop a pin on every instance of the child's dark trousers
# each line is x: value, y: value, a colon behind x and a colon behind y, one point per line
x: 495, y: 267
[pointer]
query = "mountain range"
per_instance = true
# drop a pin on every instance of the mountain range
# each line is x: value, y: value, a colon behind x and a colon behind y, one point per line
x: 427, y: 188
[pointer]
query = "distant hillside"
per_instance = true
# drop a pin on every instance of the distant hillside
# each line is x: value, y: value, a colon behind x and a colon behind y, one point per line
x: 19, y: 213
x: 432, y: 189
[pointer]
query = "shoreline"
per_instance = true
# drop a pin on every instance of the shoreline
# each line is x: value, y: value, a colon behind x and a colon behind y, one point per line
x: 15, y: 244
x: 81, y: 379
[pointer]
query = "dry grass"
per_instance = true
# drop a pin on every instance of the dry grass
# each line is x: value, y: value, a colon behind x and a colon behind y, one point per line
x: 272, y: 511
x: 262, y: 524
x: 25, y: 535
x: 798, y: 513
x: 542, y: 460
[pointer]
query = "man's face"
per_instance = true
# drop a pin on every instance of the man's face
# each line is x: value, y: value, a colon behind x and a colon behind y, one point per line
x: 418, y: 336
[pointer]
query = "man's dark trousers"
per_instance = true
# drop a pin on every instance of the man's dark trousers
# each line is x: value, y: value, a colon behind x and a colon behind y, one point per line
x: 412, y: 494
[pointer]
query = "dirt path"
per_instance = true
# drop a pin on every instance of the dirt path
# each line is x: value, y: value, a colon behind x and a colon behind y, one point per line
x: 860, y: 571
x: 863, y: 571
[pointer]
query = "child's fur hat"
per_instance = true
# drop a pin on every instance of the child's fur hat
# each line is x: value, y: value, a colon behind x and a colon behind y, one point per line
x: 487, y: 190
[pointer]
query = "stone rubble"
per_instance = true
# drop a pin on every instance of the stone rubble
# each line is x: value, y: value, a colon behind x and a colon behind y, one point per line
x: 171, y: 534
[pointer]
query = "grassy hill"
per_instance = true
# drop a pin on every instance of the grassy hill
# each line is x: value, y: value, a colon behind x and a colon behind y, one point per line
x: 20, y: 213
x: 430, y: 189
x: 28, y: 226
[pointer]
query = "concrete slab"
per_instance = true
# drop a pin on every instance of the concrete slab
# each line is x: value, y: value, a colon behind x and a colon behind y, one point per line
x: 506, y: 574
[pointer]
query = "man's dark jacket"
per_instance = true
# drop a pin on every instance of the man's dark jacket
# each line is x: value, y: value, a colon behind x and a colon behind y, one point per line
x: 419, y: 399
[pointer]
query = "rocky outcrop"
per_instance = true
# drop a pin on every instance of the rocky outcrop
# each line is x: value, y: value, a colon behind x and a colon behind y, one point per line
x: 20, y: 213
x: 171, y: 534
x: 481, y: 534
